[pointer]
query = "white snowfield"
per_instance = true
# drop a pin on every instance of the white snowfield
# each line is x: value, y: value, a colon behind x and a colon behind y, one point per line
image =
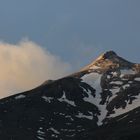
x: 94, y: 80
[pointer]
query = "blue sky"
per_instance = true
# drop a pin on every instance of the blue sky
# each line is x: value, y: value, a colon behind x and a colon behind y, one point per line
x: 76, y: 30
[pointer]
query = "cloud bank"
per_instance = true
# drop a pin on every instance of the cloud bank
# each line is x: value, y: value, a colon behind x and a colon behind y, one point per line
x: 26, y: 65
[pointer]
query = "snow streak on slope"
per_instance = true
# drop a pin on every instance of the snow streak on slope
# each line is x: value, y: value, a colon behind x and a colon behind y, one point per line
x: 94, y: 80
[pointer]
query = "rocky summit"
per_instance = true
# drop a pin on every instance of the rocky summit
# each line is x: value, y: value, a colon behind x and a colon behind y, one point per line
x: 100, y: 102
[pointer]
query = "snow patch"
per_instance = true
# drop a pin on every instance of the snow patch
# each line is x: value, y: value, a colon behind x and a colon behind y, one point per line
x: 94, y: 80
x: 40, y: 134
x: 116, y: 82
x: 81, y: 115
x: 47, y: 99
x: 130, y: 82
x: 129, y: 107
x: 54, y: 130
x: 137, y: 79
x: 126, y: 72
x: 115, y: 74
x: 114, y: 91
x: 64, y: 99
x: 40, y: 138
x: 20, y: 96
x: 108, y: 76
x: 126, y: 86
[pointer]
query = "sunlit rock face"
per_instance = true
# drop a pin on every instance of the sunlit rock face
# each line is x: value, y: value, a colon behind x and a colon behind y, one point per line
x: 101, y: 101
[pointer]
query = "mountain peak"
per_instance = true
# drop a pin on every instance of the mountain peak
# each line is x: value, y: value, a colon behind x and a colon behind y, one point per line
x: 107, y: 59
x: 109, y: 54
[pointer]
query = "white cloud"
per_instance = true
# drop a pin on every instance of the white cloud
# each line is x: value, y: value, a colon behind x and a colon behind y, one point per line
x: 26, y: 65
